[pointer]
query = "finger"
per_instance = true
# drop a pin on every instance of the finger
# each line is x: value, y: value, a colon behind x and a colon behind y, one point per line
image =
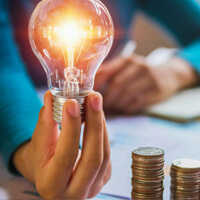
x: 48, y: 116
x: 46, y: 111
x: 107, y: 176
x: 113, y: 66
x: 104, y: 171
x: 108, y: 70
x: 48, y: 98
x: 92, y: 151
x: 62, y: 163
x: 46, y: 132
x: 139, y: 59
x: 120, y: 83
x: 68, y: 143
x: 141, y: 102
x: 133, y: 90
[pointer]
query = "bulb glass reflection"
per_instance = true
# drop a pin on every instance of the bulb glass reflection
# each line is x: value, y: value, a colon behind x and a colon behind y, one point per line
x: 71, y: 38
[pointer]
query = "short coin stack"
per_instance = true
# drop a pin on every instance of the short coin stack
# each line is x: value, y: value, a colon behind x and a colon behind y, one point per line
x: 148, y: 173
x: 185, y: 179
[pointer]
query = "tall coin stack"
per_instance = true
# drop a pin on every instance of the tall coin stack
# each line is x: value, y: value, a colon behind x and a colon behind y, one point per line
x: 185, y: 179
x: 147, y: 173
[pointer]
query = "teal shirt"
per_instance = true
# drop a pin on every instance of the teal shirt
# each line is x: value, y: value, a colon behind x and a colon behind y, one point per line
x: 19, y: 104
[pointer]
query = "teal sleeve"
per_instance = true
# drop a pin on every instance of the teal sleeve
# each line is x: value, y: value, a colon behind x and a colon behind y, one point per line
x: 191, y: 54
x: 182, y: 19
x: 19, y: 104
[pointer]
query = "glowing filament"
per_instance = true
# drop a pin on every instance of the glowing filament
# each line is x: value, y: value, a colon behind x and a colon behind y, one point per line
x: 70, y: 34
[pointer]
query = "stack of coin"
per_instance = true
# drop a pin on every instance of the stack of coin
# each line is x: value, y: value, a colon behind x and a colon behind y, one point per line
x: 147, y: 173
x: 185, y: 179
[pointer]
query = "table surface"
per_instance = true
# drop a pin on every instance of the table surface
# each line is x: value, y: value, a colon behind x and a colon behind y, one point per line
x: 126, y: 134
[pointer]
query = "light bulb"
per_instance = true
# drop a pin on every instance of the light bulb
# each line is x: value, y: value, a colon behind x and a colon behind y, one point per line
x: 71, y: 38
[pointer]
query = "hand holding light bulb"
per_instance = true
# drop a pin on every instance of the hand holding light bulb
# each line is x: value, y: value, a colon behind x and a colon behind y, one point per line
x: 71, y: 38
x: 52, y: 159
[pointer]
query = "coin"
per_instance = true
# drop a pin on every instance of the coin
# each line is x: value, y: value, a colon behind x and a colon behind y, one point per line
x: 148, y: 151
x: 147, y: 173
x: 187, y: 163
x: 137, y: 195
x: 185, y: 179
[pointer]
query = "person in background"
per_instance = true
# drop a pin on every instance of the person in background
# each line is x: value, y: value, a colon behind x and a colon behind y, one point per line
x: 31, y: 146
x: 129, y: 84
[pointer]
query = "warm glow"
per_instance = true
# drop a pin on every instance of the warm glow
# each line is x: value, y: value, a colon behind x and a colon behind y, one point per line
x: 70, y: 34
x: 73, y: 33
x: 70, y: 38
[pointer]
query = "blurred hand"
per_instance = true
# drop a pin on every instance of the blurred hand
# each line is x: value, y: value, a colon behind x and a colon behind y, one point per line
x: 52, y: 159
x: 129, y: 85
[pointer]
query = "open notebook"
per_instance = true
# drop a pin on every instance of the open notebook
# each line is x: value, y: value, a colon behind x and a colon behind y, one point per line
x: 182, y: 107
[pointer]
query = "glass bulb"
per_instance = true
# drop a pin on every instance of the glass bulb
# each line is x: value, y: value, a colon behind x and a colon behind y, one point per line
x: 71, y: 38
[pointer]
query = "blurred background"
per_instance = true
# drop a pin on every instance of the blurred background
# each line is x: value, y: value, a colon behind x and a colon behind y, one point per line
x: 149, y: 36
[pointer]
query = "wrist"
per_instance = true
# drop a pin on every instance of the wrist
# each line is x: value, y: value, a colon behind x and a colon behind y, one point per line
x: 22, y: 161
x: 183, y: 74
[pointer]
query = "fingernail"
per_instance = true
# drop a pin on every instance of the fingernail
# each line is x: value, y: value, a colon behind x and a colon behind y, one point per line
x: 73, y: 108
x: 96, y: 102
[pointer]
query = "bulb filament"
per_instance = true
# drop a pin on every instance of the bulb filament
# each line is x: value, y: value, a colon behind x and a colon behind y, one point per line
x: 72, y: 76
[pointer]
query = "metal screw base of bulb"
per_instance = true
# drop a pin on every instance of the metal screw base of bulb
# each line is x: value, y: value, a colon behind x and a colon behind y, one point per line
x: 58, y: 103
